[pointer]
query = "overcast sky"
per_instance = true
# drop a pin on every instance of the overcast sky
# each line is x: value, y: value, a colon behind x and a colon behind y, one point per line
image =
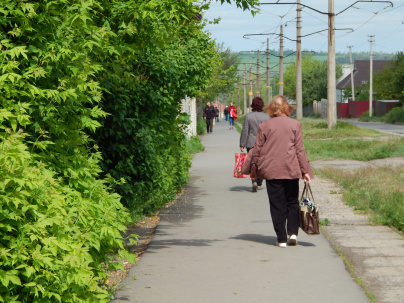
x: 365, y: 18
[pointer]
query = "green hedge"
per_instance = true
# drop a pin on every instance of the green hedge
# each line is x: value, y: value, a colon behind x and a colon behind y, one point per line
x: 395, y: 115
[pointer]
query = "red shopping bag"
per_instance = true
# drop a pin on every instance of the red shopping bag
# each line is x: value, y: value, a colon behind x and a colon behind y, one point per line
x: 240, y: 160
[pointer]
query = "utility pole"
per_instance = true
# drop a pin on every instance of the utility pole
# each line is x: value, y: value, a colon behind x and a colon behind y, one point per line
x: 251, y: 86
x: 245, y: 89
x: 268, y: 85
x: 231, y: 97
x: 299, y: 90
x: 258, y: 74
x: 371, y: 76
x: 352, y: 79
x: 281, y: 63
x: 238, y: 93
x: 331, y: 81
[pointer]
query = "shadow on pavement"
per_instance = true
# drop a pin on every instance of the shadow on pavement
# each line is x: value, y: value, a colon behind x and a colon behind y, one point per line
x: 241, y: 188
x: 156, y: 244
x: 271, y: 240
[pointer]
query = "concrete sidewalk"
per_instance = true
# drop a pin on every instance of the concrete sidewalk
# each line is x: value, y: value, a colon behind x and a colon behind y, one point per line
x: 218, y: 245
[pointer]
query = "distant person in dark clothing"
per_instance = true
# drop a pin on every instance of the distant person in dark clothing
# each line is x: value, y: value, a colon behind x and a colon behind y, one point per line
x: 217, y: 114
x: 226, y: 113
x: 249, y: 132
x: 209, y: 114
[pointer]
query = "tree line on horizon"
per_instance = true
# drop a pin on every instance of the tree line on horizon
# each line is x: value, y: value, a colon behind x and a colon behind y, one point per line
x: 288, y: 54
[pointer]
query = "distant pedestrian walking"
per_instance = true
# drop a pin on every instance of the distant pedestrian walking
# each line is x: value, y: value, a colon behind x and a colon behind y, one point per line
x: 249, y: 132
x: 209, y: 114
x: 217, y: 114
x: 232, y: 115
x: 279, y: 157
x: 226, y: 113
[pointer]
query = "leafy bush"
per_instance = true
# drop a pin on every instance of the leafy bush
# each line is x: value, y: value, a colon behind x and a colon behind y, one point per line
x: 143, y: 140
x: 395, y: 115
x: 56, y: 242
x: 366, y: 118
x: 68, y: 69
x: 200, y: 126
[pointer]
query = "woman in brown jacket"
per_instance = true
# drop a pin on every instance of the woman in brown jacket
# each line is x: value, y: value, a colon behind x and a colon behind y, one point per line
x: 279, y: 157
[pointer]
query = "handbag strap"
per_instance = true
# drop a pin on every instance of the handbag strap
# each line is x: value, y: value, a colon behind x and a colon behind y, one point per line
x: 311, y: 193
x: 306, y: 190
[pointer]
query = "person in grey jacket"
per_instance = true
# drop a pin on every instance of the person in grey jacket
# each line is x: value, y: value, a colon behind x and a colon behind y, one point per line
x: 249, y: 132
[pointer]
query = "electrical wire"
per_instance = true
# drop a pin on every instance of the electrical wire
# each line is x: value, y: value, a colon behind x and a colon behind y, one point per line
x: 392, y: 9
x: 379, y: 45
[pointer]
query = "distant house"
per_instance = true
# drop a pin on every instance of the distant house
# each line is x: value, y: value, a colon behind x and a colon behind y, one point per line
x: 361, y: 75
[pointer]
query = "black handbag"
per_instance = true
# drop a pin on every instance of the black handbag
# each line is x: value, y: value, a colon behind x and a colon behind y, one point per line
x: 308, y: 212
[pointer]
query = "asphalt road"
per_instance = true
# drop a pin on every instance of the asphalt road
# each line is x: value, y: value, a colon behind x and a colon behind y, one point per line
x: 394, y: 129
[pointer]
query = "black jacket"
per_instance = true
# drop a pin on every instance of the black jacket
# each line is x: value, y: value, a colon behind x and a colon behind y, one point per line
x: 209, y: 112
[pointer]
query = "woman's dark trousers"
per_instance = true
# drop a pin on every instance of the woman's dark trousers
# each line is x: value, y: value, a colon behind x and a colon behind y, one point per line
x: 283, y: 197
x: 258, y: 180
x: 209, y: 124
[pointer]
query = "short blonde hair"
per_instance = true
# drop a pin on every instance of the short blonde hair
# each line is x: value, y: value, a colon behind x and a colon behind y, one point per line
x: 278, y: 106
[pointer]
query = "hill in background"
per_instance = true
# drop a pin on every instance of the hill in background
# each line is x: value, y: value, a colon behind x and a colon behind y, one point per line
x: 290, y: 57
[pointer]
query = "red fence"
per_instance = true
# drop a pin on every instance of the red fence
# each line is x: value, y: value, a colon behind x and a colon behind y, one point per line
x: 353, y: 109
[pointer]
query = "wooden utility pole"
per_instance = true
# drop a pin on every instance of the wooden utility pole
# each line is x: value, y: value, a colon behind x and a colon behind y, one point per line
x: 299, y: 90
x: 251, y: 86
x: 257, y: 93
x: 245, y: 89
x: 331, y: 81
x: 281, y: 63
x: 352, y: 78
x: 371, y: 77
x: 238, y: 94
x: 268, y: 85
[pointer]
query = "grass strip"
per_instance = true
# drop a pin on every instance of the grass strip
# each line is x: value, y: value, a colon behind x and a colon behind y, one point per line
x: 354, y: 149
x: 194, y: 145
x: 318, y: 129
x: 376, y: 191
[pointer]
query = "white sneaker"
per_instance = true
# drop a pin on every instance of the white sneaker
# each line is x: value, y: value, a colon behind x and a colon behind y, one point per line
x: 282, y: 245
x: 293, y: 240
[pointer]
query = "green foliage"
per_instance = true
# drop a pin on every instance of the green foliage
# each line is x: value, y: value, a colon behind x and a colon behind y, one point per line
x: 314, y: 79
x: 318, y: 129
x: 75, y: 73
x: 200, y: 126
x: 224, y: 77
x: 55, y: 240
x: 355, y: 149
x: 194, y: 145
x: 363, y: 190
x: 389, y: 84
x: 366, y: 118
x: 361, y: 93
x: 395, y: 115
x: 143, y: 139
x: 324, y: 222
x: 244, y: 4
